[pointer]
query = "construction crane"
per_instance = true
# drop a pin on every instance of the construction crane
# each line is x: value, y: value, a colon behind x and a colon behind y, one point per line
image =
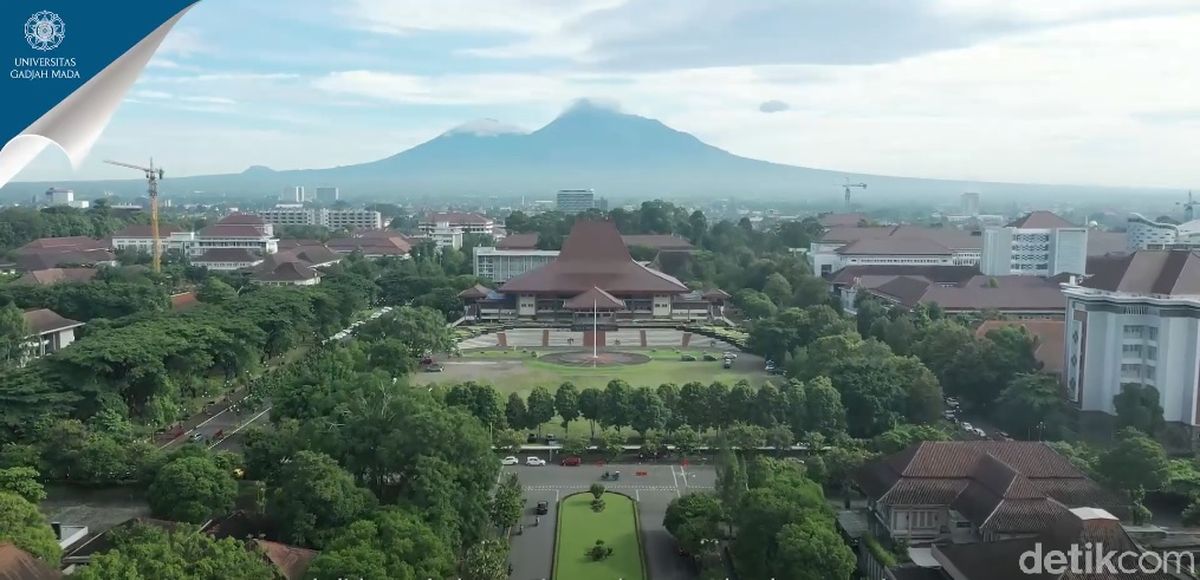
x: 847, y: 187
x: 153, y: 175
x: 1188, y: 207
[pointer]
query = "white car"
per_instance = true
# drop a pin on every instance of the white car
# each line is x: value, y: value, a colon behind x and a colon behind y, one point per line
x: 534, y: 461
x: 510, y: 460
x: 968, y: 427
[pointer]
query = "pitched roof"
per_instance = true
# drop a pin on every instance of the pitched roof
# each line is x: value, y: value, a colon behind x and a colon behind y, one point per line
x: 56, y: 259
x: 949, y: 238
x: 1001, y: 486
x: 291, y: 562
x: 1103, y: 243
x: 475, y: 292
x: 716, y: 294
x: 518, y: 242
x: 43, y: 320
x: 594, y: 297
x: 894, y: 247
x: 978, y: 293
x: 287, y: 272
x: 1049, y: 337
x: 593, y: 255
x: 936, y: 274
x: 380, y: 245
x: 56, y: 275
x: 242, y: 219
x: 455, y: 217
x: 184, y: 300
x: 222, y: 230
x: 63, y: 244
x: 658, y: 241
x: 143, y: 231
x: 1164, y: 272
x: 17, y: 564
x: 227, y: 255
x: 1041, y: 220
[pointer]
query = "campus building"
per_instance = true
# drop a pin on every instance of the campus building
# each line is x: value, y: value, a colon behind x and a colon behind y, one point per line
x: 1136, y: 320
x: 573, y: 201
x: 500, y: 265
x: 1039, y: 244
x: 334, y: 219
x: 48, y: 332
x: 843, y: 246
x: 594, y: 273
x: 1146, y: 234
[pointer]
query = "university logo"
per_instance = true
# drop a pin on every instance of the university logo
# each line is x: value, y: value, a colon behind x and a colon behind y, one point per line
x: 45, y: 31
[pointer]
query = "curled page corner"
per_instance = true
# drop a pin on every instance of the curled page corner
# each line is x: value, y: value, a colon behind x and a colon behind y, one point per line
x: 75, y: 124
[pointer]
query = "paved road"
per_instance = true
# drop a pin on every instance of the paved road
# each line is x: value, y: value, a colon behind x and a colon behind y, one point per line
x: 532, y: 551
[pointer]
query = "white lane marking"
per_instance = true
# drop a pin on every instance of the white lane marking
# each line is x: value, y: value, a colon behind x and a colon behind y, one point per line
x: 673, y: 476
x: 240, y: 427
x: 685, y: 476
x: 206, y: 421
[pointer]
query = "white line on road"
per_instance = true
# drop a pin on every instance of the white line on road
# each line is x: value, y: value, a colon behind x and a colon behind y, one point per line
x: 206, y: 421
x: 684, y: 474
x: 673, y: 476
x: 240, y: 427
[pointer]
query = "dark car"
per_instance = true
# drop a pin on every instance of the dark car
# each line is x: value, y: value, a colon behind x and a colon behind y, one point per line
x: 531, y: 438
x: 434, y: 368
x: 543, y: 508
x: 571, y: 461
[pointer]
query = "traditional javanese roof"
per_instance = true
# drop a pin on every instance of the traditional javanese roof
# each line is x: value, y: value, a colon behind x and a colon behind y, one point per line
x: 594, y: 298
x: 594, y: 255
x: 476, y: 292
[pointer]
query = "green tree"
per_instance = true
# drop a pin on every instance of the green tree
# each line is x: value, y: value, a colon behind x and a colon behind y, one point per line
x: 823, y: 403
x: 648, y: 411
x: 192, y: 489
x: 778, y: 289
x: 1136, y: 462
x: 541, y: 407
x: 694, y: 520
x: 732, y: 482
x: 811, y: 550
x: 515, y: 412
x: 13, y: 333
x: 1138, y: 406
x: 214, y: 291
x: 566, y: 403
x: 508, y: 502
x: 618, y: 405
x: 611, y: 445
x: 591, y: 406
x: 486, y: 560
x: 22, y: 481
x: 785, y: 497
x: 393, y: 543
x: 901, y: 436
x: 148, y: 553
x: 1031, y: 407
x: 311, y: 495
x: 686, y: 440
x: 574, y: 445
x: 22, y: 524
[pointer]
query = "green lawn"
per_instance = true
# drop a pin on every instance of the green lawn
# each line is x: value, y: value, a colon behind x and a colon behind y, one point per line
x: 579, y: 528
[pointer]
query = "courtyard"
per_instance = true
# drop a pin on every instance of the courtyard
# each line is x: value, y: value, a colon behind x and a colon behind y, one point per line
x: 652, y: 491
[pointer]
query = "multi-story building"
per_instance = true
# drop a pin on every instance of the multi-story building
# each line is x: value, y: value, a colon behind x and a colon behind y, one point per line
x: 840, y: 247
x: 334, y: 219
x: 1145, y: 234
x: 236, y: 231
x: 1039, y: 244
x: 57, y: 196
x: 138, y: 238
x: 293, y: 194
x: 573, y: 201
x: 467, y: 222
x: 970, y: 203
x: 48, y: 333
x: 1136, y: 320
x: 328, y: 194
x: 500, y: 265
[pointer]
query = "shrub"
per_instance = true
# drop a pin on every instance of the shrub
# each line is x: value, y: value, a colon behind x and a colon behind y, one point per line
x: 599, y: 551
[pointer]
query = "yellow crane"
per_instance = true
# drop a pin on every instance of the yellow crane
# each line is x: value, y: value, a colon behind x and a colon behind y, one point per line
x: 153, y: 175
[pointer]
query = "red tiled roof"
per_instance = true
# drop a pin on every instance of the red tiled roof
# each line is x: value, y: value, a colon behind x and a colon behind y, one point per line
x: 594, y: 298
x: 291, y: 562
x: 17, y: 564
x: 242, y: 219
x: 979, y: 293
x: 63, y: 244
x: 658, y: 241
x: 593, y: 255
x: 455, y: 217
x: 56, y: 275
x: 143, y: 231
x: 894, y: 247
x: 287, y: 272
x: 1049, y: 339
x: 392, y: 245
x: 1103, y: 243
x: 231, y: 231
x: 1041, y: 220
x: 475, y: 292
x: 938, y: 274
x: 43, y: 320
x: 949, y: 238
x: 1165, y: 272
x: 183, y: 301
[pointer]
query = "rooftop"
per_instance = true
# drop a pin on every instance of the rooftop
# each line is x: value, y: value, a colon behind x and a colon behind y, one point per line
x: 937, y: 274
x: 17, y: 564
x: 143, y: 231
x: 456, y: 217
x: 949, y: 238
x: 56, y: 275
x: 1163, y: 272
x: 222, y: 230
x: 43, y: 320
x: 1041, y: 220
x: 242, y: 219
x: 286, y: 272
x: 227, y: 255
x: 977, y: 293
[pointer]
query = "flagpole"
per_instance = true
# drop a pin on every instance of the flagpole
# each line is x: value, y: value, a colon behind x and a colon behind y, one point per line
x: 595, y: 336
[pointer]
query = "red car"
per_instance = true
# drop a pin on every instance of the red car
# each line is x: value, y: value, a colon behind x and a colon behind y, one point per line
x: 572, y: 461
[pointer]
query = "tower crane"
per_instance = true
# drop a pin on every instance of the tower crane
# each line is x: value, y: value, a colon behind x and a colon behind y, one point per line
x: 153, y: 175
x: 847, y: 187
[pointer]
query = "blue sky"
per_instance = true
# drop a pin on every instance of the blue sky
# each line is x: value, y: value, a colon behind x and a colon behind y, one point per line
x: 1068, y: 91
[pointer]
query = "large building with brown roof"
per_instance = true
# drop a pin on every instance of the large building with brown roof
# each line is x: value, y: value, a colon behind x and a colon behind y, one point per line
x: 955, y: 290
x: 48, y: 332
x: 1136, y: 320
x: 48, y: 253
x: 843, y: 246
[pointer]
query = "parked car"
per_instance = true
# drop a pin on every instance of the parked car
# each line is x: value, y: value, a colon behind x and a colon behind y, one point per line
x: 196, y: 437
x: 543, y: 508
x: 531, y: 438
x: 687, y: 358
x: 510, y: 460
x: 434, y: 368
x: 967, y: 426
x: 728, y: 364
x: 534, y: 461
x: 572, y: 461
x: 551, y: 439
x: 710, y: 357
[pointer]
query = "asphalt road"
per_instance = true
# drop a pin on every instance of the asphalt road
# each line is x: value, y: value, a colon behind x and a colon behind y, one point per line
x: 532, y: 551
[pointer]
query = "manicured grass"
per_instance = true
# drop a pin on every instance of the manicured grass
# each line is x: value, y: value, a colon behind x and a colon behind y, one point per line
x: 579, y: 528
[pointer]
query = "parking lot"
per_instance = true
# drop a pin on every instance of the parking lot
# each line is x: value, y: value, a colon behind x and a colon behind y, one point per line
x: 532, y: 551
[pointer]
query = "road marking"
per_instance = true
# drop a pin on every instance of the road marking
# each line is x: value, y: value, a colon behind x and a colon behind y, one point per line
x: 240, y: 427
x: 673, y: 476
x: 637, y: 494
x: 206, y: 421
x: 684, y: 474
x: 581, y: 487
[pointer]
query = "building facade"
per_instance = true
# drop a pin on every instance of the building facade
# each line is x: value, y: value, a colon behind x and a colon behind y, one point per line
x: 841, y: 247
x: 327, y: 194
x: 970, y: 203
x: 1136, y: 321
x: 503, y: 265
x: 573, y: 201
x: 57, y: 196
x: 334, y: 219
x: 1040, y: 244
x: 1145, y: 234
x: 48, y: 333
x: 466, y: 222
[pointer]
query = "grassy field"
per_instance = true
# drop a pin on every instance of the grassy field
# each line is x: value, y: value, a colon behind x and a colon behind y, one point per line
x: 579, y: 528
x: 517, y: 371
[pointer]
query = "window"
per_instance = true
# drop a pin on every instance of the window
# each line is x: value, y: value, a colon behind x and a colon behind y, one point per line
x: 1152, y: 353
x: 1153, y: 332
x: 1132, y: 349
x: 1134, y: 331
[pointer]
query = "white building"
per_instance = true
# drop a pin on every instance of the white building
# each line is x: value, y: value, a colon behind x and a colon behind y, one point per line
x: 48, y: 333
x: 1039, y: 244
x: 334, y: 219
x: 892, y: 245
x: 56, y: 196
x: 1145, y: 234
x: 293, y: 194
x: 500, y: 265
x: 236, y: 231
x: 573, y: 201
x: 467, y: 222
x: 445, y: 235
x: 328, y: 194
x: 970, y: 203
x: 1136, y: 320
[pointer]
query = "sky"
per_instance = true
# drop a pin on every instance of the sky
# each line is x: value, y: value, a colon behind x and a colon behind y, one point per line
x: 1083, y: 92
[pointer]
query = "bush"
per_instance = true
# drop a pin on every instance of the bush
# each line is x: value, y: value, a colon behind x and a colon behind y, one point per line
x: 596, y: 490
x: 598, y: 505
x: 599, y: 551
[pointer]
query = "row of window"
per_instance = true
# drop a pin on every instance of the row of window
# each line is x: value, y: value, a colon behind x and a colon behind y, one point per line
x: 1138, y: 350
x: 1137, y: 371
x: 1141, y: 331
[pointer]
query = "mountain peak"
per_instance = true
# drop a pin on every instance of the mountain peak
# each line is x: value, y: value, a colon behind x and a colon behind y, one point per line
x: 258, y: 170
x: 588, y: 106
x: 485, y: 128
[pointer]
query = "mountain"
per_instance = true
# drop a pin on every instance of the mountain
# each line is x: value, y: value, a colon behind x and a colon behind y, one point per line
x: 588, y: 146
